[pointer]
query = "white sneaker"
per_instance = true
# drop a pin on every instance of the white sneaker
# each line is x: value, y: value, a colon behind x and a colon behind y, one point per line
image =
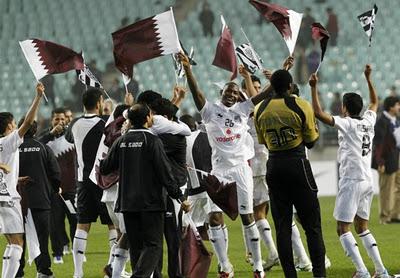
x: 306, y: 267
x: 328, y: 263
x: 125, y: 274
x: 249, y: 259
x: 358, y: 274
x: 58, y: 260
x: 227, y: 272
x: 271, y: 262
x: 384, y: 274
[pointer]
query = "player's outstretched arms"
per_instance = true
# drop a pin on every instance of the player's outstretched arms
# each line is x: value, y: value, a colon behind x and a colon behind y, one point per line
x: 320, y: 114
x: 30, y: 116
x: 373, y: 98
x: 198, y: 95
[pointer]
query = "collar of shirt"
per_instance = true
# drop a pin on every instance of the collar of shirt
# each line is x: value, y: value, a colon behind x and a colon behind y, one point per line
x: 140, y: 129
x: 390, y: 117
x: 89, y: 115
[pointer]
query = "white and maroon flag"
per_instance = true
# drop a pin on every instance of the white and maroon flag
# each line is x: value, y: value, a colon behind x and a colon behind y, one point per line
x: 249, y: 57
x: 367, y: 21
x: 144, y: 40
x: 225, y: 56
x: 46, y: 57
x: 285, y: 20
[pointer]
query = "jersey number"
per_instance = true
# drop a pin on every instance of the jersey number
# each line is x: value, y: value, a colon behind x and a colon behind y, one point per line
x: 283, y: 137
x: 366, y: 145
x: 229, y: 123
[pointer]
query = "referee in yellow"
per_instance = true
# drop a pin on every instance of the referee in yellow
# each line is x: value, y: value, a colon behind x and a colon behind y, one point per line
x: 286, y: 125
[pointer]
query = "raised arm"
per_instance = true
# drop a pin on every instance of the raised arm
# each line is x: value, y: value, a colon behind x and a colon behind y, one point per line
x: 261, y: 96
x: 31, y: 115
x: 373, y: 98
x: 250, y: 90
x: 198, y: 95
x: 179, y: 95
x: 319, y: 113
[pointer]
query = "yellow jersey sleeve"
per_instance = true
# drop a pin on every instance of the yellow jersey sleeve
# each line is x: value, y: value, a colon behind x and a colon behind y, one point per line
x: 260, y: 136
x: 310, y: 127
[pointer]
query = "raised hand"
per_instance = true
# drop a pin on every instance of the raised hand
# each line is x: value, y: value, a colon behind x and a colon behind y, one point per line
x: 40, y: 89
x: 288, y: 63
x: 185, y: 206
x: 182, y: 58
x: 243, y: 71
x: 179, y: 92
x: 313, y: 81
x: 267, y: 73
x: 367, y: 71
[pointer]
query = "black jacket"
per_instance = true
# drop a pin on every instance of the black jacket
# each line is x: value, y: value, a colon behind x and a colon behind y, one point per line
x: 144, y: 172
x: 384, y: 151
x: 39, y: 163
x: 175, y: 148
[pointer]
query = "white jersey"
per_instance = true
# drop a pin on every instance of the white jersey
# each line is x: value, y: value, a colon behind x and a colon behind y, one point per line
x: 227, y: 132
x: 355, y: 139
x: 9, y: 155
x: 259, y: 162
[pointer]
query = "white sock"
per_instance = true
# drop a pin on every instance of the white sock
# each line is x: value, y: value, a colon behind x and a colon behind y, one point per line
x: 226, y: 237
x: 78, y: 251
x: 6, y: 260
x: 251, y: 232
x: 298, y: 247
x: 14, y: 255
x: 350, y: 247
x: 120, y: 258
x: 246, y: 241
x: 265, y: 232
x: 369, y: 243
x: 112, y: 237
x: 112, y: 253
x: 217, y: 239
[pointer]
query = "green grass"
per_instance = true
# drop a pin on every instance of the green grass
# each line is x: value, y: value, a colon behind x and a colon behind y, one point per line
x: 387, y: 236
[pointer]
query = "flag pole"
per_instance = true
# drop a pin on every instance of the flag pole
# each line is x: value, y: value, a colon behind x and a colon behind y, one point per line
x: 44, y: 94
x: 319, y: 65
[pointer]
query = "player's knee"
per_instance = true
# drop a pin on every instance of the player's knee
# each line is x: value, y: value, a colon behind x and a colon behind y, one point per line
x: 247, y: 219
x: 342, y: 228
x: 216, y: 219
x: 17, y: 239
x: 259, y: 212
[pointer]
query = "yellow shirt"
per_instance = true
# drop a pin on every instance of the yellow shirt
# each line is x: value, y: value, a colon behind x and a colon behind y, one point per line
x: 285, y: 123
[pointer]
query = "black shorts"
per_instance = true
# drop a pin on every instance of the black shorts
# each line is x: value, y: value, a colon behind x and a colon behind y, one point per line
x: 89, y: 205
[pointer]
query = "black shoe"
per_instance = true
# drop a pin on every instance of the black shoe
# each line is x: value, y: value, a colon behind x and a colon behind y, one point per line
x: 108, y: 270
x: 394, y: 221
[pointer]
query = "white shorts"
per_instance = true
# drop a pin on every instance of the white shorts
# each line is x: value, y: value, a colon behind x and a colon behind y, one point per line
x: 243, y: 176
x: 260, y: 192
x: 200, y: 208
x: 117, y: 218
x: 11, y: 221
x: 354, y: 198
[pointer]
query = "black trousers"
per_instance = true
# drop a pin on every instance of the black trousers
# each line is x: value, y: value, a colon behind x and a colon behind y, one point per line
x: 58, y: 234
x: 291, y: 183
x: 145, y: 234
x: 41, y: 218
x: 173, y: 236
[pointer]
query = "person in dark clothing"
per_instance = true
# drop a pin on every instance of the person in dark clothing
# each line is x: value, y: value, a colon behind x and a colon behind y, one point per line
x: 332, y: 26
x: 206, y: 18
x: 65, y: 153
x: 175, y: 148
x: 305, y: 39
x: 38, y: 162
x: 144, y: 171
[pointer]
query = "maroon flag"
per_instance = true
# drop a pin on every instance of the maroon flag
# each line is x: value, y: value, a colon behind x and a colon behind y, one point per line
x: 46, y: 57
x: 194, y: 256
x: 225, y: 56
x: 285, y: 20
x: 144, y: 40
x: 319, y: 33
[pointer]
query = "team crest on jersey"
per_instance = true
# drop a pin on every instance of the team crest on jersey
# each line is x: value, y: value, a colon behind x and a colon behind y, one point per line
x: 3, y: 186
x: 220, y: 115
x: 1, y: 147
x: 237, y: 119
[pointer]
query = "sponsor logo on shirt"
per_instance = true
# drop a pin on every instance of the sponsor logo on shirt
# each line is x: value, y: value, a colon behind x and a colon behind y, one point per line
x: 131, y: 145
x: 228, y: 138
x: 3, y: 186
x: 29, y: 150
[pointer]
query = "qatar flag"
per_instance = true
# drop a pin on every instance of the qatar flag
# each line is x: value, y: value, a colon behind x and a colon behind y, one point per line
x: 320, y: 34
x: 144, y: 40
x: 225, y: 56
x: 286, y: 21
x: 46, y: 57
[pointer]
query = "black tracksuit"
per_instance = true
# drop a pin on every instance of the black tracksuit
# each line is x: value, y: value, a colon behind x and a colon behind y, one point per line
x: 145, y: 173
x: 39, y: 163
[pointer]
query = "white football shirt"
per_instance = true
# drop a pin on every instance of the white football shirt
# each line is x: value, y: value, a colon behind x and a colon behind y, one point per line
x: 355, y: 145
x: 227, y: 132
x: 9, y: 155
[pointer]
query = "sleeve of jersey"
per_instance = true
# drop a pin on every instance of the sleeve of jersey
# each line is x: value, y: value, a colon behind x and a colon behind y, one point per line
x: 341, y: 123
x: 310, y: 132
x: 12, y: 142
x: 206, y: 112
x: 162, y: 125
x: 246, y: 107
x: 370, y: 116
x: 111, y: 162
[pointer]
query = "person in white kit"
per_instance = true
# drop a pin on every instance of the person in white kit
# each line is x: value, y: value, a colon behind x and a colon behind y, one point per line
x: 226, y: 125
x: 11, y: 221
x: 353, y: 201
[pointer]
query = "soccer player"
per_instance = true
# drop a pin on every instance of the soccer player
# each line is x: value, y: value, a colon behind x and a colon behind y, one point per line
x: 85, y: 132
x: 353, y: 201
x: 11, y: 221
x: 226, y: 125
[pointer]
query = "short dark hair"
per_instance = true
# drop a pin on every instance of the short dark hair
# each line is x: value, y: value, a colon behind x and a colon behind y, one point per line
x: 58, y: 110
x: 389, y: 102
x: 5, y: 119
x: 148, y: 97
x: 254, y: 78
x: 163, y: 106
x: 32, y: 129
x: 189, y: 121
x: 137, y: 115
x: 353, y: 103
x: 280, y: 81
x: 90, y: 98
x: 119, y: 110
